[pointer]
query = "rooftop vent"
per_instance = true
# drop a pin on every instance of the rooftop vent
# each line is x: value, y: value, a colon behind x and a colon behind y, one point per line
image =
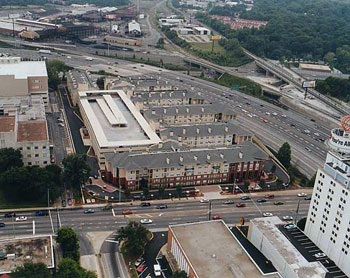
x: 184, y: 131
x: 240, y: 154
x: 198, y: 130
x: 187, y: 110
x: 226, y: 129
x: 209, y: 129
x: 181, y: 158
x: 208, y: 156
x: 153, y: 112
x: 168, y: 160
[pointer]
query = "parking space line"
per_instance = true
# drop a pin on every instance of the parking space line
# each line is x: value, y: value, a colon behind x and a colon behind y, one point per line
x: 314, y: 251
x: 113, y: 212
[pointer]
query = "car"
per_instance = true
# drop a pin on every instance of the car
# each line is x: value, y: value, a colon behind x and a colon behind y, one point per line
x: 307, y: 198
x: 70, y: 202
x: 269, y: 196
x: 245, y: 198
x: 203, y: 200
x: 162, y: 206
x: 229, y: 202
x: 290, y: 227
x: 302, y: 194
x: 308, y: 149
x: 312, y: 120
x: 138, y: 261
x: 157, y: 270
x: 274, y: 113
x: 21, y: 218
x: 64, y: 203
x: 41, y: 213
x: 60, y: 120
x: 319, y: 255
x: 127, y: 211
x: 261, y: 200
x: 267, y: 214
x: 144, y: 204
x: 2, y: 225
x: 287, y: 218
x: 95, y: 177
x: 278, y: 203
x: 267, y: 113
x: 217, y: 217
x: 146, y: 221
x: 284, y: 116
x: 306, y: 131
x: 88, y: 211
x: 240, y: 205
x: 108, y: 207
x: 264, y: 121
x: 10, y: 214
x: 141, y: 268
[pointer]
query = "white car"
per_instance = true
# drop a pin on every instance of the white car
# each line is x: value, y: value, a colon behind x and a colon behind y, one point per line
x: 284, y: 116
x: 21, y: 218
x: 203, y: 200
x: 290, y: 227
x: 267, y: 214
x: 287, y: 218
x: 274, y: 113
x: 146, y: 221
x: 267, y: 113
x: 138, y: 261
x: 302, y: 194
x: 320, y: 255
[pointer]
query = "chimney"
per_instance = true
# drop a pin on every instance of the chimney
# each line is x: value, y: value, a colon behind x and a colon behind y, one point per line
x: 197, y: 130
x: 209, y: 129
x: 240, y: 154
x: 171, y: 133
x: 184, y: 131
x: 168, y: 160
x: 208, y: 156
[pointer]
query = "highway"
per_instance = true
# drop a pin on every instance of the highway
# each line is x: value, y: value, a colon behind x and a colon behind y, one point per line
x: 178, y: 211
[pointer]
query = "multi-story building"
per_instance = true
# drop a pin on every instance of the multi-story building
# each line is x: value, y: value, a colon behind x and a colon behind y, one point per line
x: 23, y: 126
x: 171, y: 164
x: 151, y: 85
x: 143, y: 100
x: 204, y: 135
x: 23, y: 78
x: 159, y: 117
x: 78, y: 81
x: 328, y: 220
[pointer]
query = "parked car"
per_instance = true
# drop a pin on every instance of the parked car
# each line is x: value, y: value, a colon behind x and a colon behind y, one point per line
x: 267, y: 214
x: 278, y: 203
x: 10, y: 214
x: 302, y: 194
x: 21, y: 218
x: 162, y: 206
x: 41, y: 213
x: 287, y: 218
x: 240, y: 205
x: 203, y: 200
x: 127, y: 211
x: 138, y: 261
x: 88, y: 211
x: 145, y: 204
x: 290, y: 227
x: 320, y: 255
x: 229, y: 202
x: 70, y: 202
x: 64, y: 203
x: 141, y: 268
x: 261, y: 200
x: 269, y: 196
x: 217, y: 217
x: 108, y: 207
x: 2, y: 225
x: 307, y: 198
x: 146, y: 221
x: 244, y: 198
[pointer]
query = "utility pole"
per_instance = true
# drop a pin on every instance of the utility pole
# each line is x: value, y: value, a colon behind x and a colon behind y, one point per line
x: 209, y: 210
x: 297, y: 212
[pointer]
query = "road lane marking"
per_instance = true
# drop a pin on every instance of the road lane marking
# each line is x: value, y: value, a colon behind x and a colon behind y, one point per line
x: 53, y: 230
x: 33, y: 227
x: 113, y: 212
x: 59, y: 219
x: 114, y: 241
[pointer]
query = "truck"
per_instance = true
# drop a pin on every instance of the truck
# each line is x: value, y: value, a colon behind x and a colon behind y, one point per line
x: 157, y: 270
x: 45, y: 51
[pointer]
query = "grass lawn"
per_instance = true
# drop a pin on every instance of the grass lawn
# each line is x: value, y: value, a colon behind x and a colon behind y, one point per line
x: 4, y: 204
x: 207, y: 47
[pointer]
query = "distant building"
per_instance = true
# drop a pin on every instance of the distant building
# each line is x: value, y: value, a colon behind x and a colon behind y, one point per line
x: 239, y: 23
x: 134, y: 29
x: 210, y: 249
x: 265, y: 235
x: 23, y: 126
x: 93, y: 16
x: 171, y: 21
x: 328, y: 220
x: 314, y: 67
x: 23, y: 78
x: 201, y: 31
x: 151, y: 85
x: 171, y: 164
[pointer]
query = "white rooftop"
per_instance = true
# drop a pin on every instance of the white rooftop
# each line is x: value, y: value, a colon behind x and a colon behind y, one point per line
x: 133, y: 25
x: 22, y: 69
x: 115, y: 120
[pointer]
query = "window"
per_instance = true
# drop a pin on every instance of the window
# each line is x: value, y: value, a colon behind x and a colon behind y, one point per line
x: 36, y: 155
x: 28, y: 147
x: 45, y: 162
x: 44, y: 147
x: 36, y: 147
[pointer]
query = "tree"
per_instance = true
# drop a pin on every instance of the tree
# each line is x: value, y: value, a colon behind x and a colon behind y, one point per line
x: 69, y: 243
x: 9, y: 158
x: 100, y: 83
x: 262, y: 183
x: 161, y: 191
x: 68, y: 268
x: 145, y: 191
x: 76, y: 170
x: 127, y: 193
x: 135, y: 237
x: 29, y: 270
x: 284, y: 155
x: 179, y: 274
x: 179, y: 190
x: 301, y: 223
x: 54, y: 67
x: 160, y: 43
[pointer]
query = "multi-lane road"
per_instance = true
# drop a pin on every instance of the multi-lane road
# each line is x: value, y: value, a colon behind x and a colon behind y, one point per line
x: 178, y: 211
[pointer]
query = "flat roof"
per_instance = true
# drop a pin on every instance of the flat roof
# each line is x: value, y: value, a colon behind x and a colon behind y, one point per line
x: 268, y: 226
x: 131, y: 130
x: 314, y: 67
x: 23, y: 69
x: 35, y: 249
x: 32, y: 131
x: 213, y: 251
x: 7, y: 123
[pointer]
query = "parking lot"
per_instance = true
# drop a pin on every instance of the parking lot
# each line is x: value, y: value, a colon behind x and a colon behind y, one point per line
x: 311, y: 252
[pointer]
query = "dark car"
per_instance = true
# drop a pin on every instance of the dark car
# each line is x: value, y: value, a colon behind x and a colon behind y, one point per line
x: 64, y: 203
x: 109, y: 207
x: 307, y: 198
x: 269, y: 196
x: 2, y: 225
x: 144, y: 204
x: 278, y: 203
x: 240, y: 205
x: 10, y: 214
x: 244, y: 198
x: 41, y: 213
x: 261, y: 200
x: 162, y: 206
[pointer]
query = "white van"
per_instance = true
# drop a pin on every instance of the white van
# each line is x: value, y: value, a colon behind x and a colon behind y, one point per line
x: 157, y: 270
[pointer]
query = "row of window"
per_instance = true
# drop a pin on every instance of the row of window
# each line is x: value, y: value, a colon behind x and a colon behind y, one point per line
x: 35, y: 148
x: 36, y: 163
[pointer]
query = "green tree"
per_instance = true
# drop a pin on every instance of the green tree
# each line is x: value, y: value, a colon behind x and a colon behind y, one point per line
x: 9, y: 158
x: 30, y: 270
x: 145, y: 191
x: 301, y: 223
x: 100, y: 83
x: 69, y: 243
x: 284, y: 155
x: 161, y: 191
x: 54, y: 68
x: 69, y: 268
x: 76, y: 170
x: 179, y: 274
x: 262, y: 182
x: 127, y: 193
x: 160, y: 43
x: 179, y: 190
x: 135, y: 237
